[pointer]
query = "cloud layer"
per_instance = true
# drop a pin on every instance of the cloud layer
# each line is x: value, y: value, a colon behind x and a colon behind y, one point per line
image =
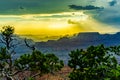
x: 89, y: 7
x: 113, y: 3
x: 105, y: 12
x: 33, y: 6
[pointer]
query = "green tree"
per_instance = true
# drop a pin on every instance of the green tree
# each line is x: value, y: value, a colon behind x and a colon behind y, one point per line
x: 7, y: 51
x: 39, y: 62
x: 7, y: 36
x: 94, y: 63
x: 35, y: 62
x: 53, y: 63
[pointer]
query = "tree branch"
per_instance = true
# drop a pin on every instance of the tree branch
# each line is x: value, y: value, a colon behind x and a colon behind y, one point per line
x: 31, y: 47
x: 39, y: 73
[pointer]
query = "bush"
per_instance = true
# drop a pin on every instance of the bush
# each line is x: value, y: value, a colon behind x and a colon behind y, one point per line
x: 39, y: 62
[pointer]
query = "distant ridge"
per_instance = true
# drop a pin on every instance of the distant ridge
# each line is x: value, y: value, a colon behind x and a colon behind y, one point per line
x: 82, y: 39
x: 63, y: 46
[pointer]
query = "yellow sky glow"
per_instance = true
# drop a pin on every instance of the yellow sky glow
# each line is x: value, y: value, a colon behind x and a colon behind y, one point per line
x: 59, y: 24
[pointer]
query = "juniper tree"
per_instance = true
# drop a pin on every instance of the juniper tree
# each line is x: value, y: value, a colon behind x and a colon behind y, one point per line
x: 7, y: 51
x: 36, y: 61
x: 94, y: 63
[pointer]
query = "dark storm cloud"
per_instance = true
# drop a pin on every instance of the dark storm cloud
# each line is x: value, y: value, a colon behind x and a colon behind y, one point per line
x: 109, y: 15
x: 42, y: 6
x: 112, y: 3
x: 89, y: 7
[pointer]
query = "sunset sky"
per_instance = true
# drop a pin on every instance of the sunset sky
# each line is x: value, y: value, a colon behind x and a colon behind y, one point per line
x: 42, y: 20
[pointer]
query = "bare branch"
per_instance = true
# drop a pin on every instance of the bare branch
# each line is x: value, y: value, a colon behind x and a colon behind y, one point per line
x: 26, y: 69
x: 39, y: 73
x: 2, y: 41
x: 31, y: 47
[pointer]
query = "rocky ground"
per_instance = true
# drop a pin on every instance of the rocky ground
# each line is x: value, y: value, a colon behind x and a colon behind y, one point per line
x: 61, y: 75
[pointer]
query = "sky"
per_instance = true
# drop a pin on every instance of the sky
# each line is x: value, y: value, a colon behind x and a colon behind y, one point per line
x: 44, y: 20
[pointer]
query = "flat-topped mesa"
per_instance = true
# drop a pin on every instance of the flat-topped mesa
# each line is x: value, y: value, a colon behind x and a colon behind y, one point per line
x: 118, y: 33
x: 88, y: 33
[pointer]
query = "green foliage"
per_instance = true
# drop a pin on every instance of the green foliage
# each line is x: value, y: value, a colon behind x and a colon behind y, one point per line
x: 53, y: 63
x: 7, y: 30
x: 6, y: 52
x: 39, y: 62
x: 36, y: 62
x: 3, y: 54
x: 22, y: 62
x: 95, y: 63
x: 115, y: 49
x: 30, y: 78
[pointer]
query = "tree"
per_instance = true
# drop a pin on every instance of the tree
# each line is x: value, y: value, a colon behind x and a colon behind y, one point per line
x: 7, y: 51
x: 39, y: 62
x: 53, y: 63
x: 32, y: 47
x: 94, y: 63
x: 35, y: 62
